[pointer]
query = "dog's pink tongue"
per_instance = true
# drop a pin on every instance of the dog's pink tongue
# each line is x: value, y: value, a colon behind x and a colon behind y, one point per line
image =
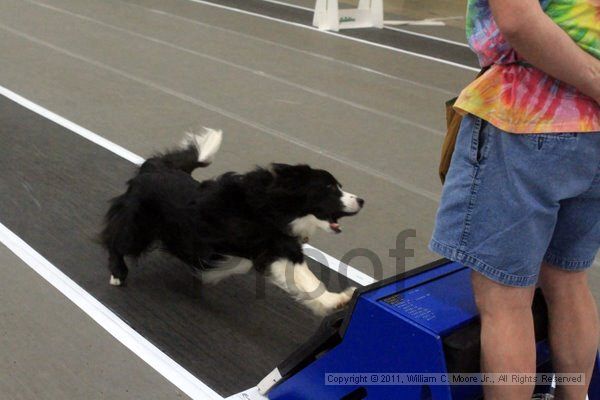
x: 335, y: 227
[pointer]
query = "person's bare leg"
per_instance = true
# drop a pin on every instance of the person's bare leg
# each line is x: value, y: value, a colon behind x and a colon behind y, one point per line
x: 573, y: 326
x: 507, y: 336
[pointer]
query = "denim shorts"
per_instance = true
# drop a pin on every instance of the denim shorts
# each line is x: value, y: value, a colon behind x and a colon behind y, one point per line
x: 512, y: 201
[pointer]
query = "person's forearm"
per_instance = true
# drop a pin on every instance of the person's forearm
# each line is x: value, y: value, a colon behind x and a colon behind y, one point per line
x: 545, y: 45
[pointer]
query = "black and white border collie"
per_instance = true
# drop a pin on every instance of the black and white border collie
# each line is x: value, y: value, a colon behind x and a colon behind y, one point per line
x: 232, y: 223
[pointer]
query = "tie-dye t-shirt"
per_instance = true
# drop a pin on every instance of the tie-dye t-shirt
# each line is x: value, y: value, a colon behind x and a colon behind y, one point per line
x: 519, y: 98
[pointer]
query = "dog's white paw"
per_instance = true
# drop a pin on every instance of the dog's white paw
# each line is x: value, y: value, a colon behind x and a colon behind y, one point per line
x: 329, y: 302
x: 115, y: 281
x: 346, y: 296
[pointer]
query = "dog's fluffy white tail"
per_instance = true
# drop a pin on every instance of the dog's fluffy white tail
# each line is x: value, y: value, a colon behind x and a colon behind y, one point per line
x: 207, y: 143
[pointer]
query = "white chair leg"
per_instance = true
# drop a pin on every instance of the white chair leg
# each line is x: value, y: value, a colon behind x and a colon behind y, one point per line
x: 364, y: 4
x: 377, y: 13
x: 333, y: 15
x: 326, y: 16
x: 320, y: 12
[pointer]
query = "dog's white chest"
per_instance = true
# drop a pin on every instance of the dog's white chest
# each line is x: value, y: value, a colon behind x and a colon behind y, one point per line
x: 305, y: 227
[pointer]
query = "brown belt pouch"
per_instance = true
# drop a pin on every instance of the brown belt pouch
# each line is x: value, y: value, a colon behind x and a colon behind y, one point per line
x: 453, y: 120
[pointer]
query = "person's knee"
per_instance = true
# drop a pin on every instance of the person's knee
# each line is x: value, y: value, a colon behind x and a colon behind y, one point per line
x: 496, y: 300
x: 559, y: 284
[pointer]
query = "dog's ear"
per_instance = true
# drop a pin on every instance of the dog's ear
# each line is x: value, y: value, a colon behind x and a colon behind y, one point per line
x: 277, y: 169
x: 273, y: 168
x: 287, y: 191
x: 292, y: 174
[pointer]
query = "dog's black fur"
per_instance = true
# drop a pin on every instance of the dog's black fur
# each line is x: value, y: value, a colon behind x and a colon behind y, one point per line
x: 243, y: 215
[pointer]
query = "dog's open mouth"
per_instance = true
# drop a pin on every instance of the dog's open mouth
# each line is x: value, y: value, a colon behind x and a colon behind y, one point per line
x: 334, y: 224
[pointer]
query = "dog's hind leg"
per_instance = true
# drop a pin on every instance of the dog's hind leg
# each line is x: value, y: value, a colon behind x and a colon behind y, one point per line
x: 298, y: 280
x: 220, y: 270
x: 118, y: 269
x: 129, y: 230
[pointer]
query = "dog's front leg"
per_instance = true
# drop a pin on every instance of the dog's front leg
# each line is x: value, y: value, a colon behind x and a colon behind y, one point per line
x: 304, y: 286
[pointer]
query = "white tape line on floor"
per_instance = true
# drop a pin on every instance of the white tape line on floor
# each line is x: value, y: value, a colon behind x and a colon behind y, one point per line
x: 109, y: 321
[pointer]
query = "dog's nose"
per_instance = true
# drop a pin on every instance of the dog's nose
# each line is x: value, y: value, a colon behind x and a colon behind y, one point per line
x: 360, y: 202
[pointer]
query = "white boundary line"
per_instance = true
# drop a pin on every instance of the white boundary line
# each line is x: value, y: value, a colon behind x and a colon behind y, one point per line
x: 238, y: 118
x: 248, y: 394
x: 317, y: 255
x: 283, y: 3
x: 91, y: 136
x: 423, y: 35
x: 110, y: 322
x: 243, y: 68
x: 338, y: 266
x: 437, y: 38
x: 291, y: 48
x: 411, y: 53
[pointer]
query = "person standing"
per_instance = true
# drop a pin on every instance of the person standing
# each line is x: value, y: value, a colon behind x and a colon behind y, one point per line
x: 521, y: 201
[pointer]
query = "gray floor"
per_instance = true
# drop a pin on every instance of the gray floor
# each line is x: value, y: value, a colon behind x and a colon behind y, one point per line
x: 140, y: 72
x: 51, y: 350
x: 380, y: 135
x: 57, y: 187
